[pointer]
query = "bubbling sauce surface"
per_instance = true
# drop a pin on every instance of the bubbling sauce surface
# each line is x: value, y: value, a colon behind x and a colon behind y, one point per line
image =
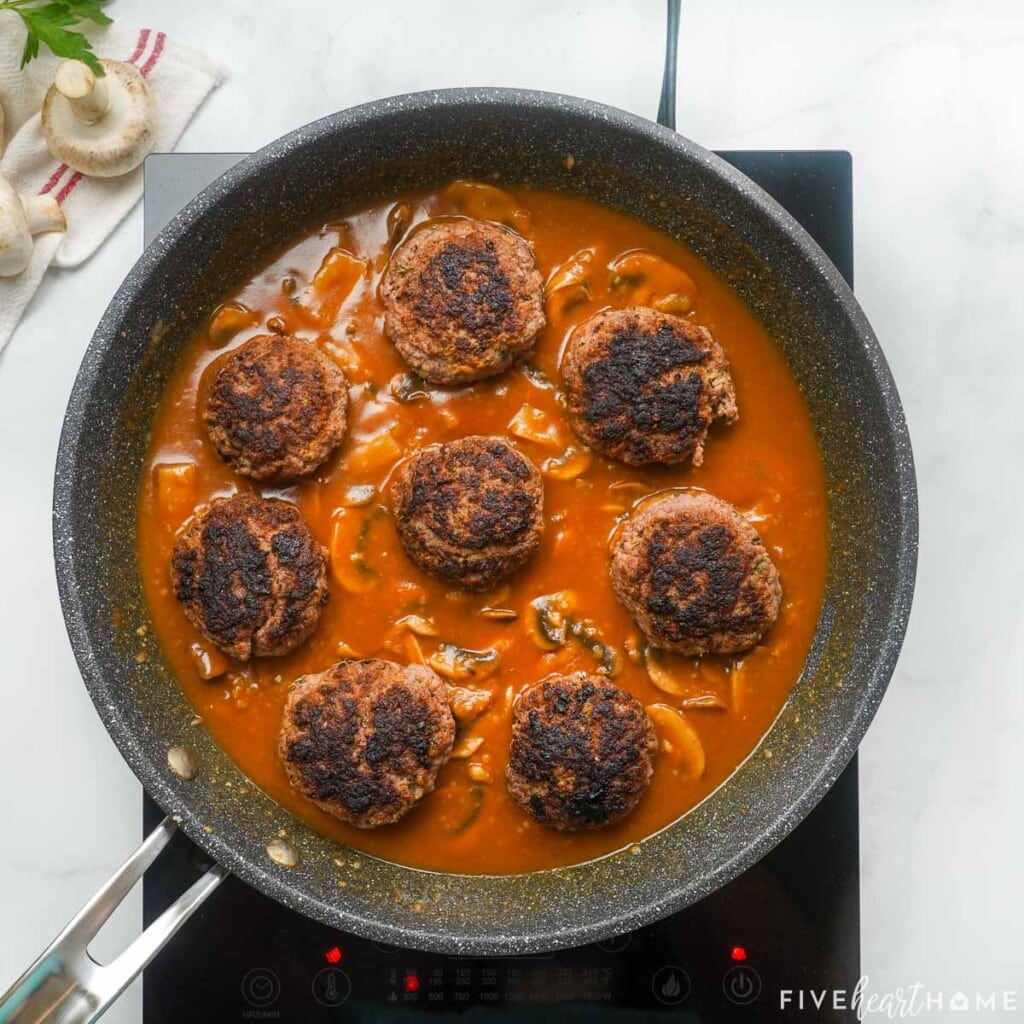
x: 710, y: 714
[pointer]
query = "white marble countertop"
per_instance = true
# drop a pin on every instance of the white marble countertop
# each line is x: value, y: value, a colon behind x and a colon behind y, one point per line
x: 926, y: 95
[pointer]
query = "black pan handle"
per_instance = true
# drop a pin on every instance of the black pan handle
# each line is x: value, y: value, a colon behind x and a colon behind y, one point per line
x: 667, y: 106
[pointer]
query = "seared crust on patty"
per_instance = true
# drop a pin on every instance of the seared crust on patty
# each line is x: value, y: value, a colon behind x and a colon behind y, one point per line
x: 643, y: 386
x: 695, y: 576
x: 582, y: 752
x: 277, y: 408
x: 250, y: 575
x: 470, y: 511
x: 365, y: 739
x: 462, y: 300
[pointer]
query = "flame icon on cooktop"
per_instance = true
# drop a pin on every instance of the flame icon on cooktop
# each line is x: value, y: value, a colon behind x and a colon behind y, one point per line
x: 670, y: 985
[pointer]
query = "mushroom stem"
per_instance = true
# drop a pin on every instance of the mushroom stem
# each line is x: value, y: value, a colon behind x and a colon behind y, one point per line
x: 1, y: 129
x: 86, y: 94
x: 43, y: 213
x: 21, y: 217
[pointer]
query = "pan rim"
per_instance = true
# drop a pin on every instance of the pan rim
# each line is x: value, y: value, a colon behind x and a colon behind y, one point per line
x: 678, y: 891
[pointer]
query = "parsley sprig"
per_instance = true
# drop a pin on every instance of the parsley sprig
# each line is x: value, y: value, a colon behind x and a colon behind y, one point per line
x: 54, y: 24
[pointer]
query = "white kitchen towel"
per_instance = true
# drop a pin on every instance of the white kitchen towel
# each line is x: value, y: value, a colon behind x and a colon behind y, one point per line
x: 180, y: 79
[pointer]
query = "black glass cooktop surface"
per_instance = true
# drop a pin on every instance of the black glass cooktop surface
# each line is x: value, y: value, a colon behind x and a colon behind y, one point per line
x: 790, y: 924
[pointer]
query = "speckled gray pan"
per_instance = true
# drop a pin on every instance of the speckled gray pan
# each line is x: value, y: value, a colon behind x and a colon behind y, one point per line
x: 423, y: 140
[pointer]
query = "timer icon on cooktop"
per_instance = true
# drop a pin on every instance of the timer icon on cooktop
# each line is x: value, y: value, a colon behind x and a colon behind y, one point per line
x: 260, y: 987
x: 670, y: 985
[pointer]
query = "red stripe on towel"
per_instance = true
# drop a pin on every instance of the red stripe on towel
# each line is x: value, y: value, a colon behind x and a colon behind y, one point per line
x: 69, y: 186
x: 53, y: 179
x: 155, y: 55
x: 140, y: 47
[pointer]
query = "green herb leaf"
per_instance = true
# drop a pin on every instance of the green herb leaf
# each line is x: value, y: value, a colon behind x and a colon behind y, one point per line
x: 87, y: 10
x: 53, y: 24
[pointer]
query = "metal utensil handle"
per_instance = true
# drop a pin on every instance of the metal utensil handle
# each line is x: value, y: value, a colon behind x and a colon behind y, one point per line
x: 65, y: 985
x: 667, y: 106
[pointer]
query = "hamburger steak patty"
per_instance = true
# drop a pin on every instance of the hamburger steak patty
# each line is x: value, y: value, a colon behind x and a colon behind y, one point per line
x: 643, y: 386
x: 277, y: 408
x: 250, y: 575
x: 462, y: 299
x: 695, y: 576
x: 582, y: 752
x: 470, y: 511
x: 365, y: 739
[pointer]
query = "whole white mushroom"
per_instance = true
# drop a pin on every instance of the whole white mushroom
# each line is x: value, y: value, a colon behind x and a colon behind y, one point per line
x: 21, y: 217
x: 99, y: 126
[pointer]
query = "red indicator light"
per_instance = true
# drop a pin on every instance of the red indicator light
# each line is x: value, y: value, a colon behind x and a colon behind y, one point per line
x: 412, y: 983
x: 738, y: 953
x: 333, y: 956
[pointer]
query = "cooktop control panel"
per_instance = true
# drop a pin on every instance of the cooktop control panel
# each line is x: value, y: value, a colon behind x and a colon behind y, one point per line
x: 789, y: 924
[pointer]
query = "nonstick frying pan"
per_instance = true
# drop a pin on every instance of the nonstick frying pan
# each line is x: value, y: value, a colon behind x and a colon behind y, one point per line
x: 417, y: 141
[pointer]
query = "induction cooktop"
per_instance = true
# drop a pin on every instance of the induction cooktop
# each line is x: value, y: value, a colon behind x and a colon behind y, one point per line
x: 789, y: 926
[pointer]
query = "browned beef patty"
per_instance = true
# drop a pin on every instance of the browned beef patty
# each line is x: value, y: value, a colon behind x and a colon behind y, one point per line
x: 695, y: 576
x: 462, y: 300
x: 250, y: 575
x: 582, y: 752
x: 470, y: 511
x: 643, y: 386
x: 365, y: 739
x: 277, y: 408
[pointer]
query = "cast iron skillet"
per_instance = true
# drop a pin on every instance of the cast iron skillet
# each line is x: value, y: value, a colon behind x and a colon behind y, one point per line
x: 417, y: 141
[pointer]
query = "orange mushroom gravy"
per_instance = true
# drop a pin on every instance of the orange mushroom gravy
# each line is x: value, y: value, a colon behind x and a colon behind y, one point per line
x: 558, y: 614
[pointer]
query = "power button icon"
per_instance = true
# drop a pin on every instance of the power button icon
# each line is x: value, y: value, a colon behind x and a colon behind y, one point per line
x: 741, y: 984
